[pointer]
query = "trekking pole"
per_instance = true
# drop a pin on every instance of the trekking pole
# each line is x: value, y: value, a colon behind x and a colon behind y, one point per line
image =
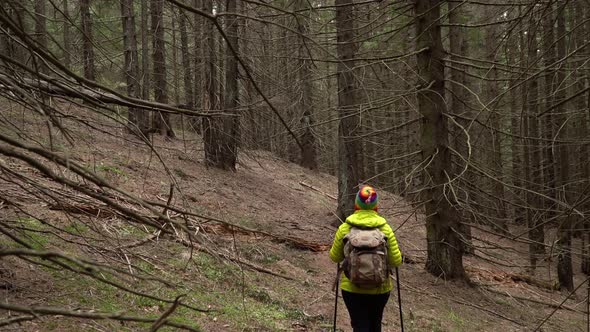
x: 336, y: 296
x: 399, y: 299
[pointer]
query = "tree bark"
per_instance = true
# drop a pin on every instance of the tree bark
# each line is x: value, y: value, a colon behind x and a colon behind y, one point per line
x: 67, y: 46
x: 186, y: 62
x: 174, y: 47
x: 231, y: 125
x: 564, y: 254
x: 145, y: 51
x: 211, y: 126
x: 200, y: 46
x: 350, y: 162
x: 445, y: 248
x: 41, y: 31
x: 308, y: 154
x: 532, y: 156
x: 583, y: 103
x: 547, y: 121
x: 496, y: 118
x: 137, y: 120
x: 161, y: 120
x: 459, y: 99
x: 87, y: 45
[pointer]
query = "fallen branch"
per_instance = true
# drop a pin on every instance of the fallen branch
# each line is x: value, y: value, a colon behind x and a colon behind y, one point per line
x: 532, y: 281
x: 501, y: 276
x: 15, y: 320
x: 140, y: 242
x: 49, y: 311
x: 231, y: 227
x: 233, y: 259
x: 303, y: 244
x: 552, y: 305
x: 316, y: 189
x: 88, y: 209
x: 413, y: 260
x: 164, y: 318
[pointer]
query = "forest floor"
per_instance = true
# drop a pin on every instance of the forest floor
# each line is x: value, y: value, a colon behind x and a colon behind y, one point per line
x: 266, y: 193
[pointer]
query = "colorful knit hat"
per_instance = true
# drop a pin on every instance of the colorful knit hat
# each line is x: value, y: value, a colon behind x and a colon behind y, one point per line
x: 366, y: 199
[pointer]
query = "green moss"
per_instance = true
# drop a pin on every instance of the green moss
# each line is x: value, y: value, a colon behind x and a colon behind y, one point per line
x: 32, y: 230
x: 458, y: 321
x: 77, y: 228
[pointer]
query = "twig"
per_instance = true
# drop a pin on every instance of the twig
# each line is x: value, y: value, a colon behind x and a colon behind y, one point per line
x: 164, y: 318
x: 316, y: 189
x: 15, y: 320
x: 553, y: 305
x: 49, y: 311
x: 559, y: 306
x: 233, y: 259
x: 169, y: 199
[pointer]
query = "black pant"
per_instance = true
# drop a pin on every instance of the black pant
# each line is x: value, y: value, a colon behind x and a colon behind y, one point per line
x: 366, y: 310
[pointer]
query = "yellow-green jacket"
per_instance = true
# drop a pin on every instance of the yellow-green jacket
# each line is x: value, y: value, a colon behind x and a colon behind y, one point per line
x: 368, y: 219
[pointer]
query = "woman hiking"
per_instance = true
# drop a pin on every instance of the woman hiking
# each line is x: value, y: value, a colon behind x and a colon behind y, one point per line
x: 365, y: 283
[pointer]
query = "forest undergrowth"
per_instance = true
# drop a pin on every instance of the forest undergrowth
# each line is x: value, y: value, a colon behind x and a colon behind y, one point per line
x: 245, y: 251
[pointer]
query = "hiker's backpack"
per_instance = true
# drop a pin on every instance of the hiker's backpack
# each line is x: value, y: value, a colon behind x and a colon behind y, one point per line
x: 365, y: 257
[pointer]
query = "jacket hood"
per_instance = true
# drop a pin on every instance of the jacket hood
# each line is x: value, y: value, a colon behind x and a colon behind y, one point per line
x: 366, y: 218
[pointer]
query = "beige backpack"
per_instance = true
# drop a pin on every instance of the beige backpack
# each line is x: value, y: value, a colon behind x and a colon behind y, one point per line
x: 365, y: 257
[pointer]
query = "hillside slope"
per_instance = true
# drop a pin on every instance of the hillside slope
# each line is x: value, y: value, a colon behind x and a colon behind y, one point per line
x: 256, y: 259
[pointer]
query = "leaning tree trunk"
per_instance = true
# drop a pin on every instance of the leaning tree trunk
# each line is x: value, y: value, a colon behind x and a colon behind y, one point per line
x: 350, y: 162
x: 137, y: 120
x: 161, y: 119
x: 445, y: 253
x: 87, y: 45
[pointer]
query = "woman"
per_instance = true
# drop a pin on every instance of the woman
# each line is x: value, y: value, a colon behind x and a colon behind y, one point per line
x: 366, y: 305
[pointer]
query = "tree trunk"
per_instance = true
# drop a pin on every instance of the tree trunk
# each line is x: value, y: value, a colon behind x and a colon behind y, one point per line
x: 175, y: 56
x: 308, y: 154
x: 564, y: 255
x: 548, y: 121
x: 186, y: 62
x: 87, y: 45
x: 145, y: 51
x: 459, y: 99
x: 532, y: 157
x: 231, y: 125
x: 137, y: 120
x: 349, y: 145
x: 583, y: 104
x: 445, y: 249
x: 497, y: 163
x: 211, y: 125
x: 513, y: 49
x: 41, y: 31
x: 161, y: 119
x: 67, y: 46
x: 199, y: 54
